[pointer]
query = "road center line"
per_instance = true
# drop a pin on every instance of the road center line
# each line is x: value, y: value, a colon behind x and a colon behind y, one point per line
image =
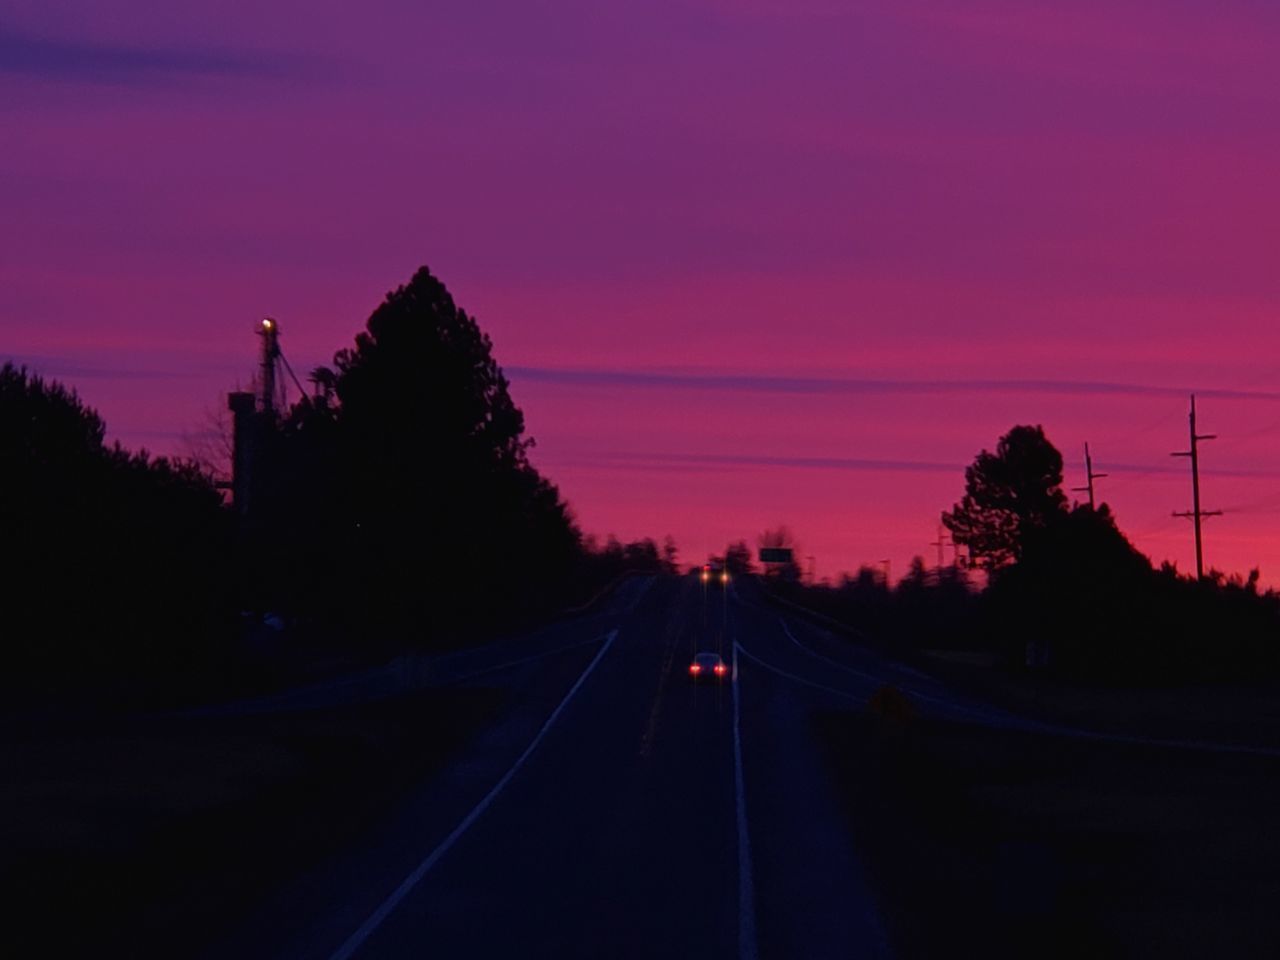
x: 366, y: 929
x: 747, y: 949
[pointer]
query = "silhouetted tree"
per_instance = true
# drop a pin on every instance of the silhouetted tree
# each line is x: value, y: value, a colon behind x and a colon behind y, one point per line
x: 617, y: 558
x: 211, y: 447
x: 670, y: 554
x: 867, y: 579
x: 1079, y: 585
x: 406, y: 486
x: 117, y: 560
x: 737, y: 558
x: 917, y: 575
x: 1073, y: 596
x: 1009, y: 496
x: 642, y: 555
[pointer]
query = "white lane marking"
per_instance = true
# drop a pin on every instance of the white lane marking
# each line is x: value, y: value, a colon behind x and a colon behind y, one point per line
x: 519, y: 662
x: 898, y: 665
x: 791, y: 676
x: 746, y: 887
x: 948, y: 705
x: 357, y: 939
x: 835, y: 663
x: 895, y: 668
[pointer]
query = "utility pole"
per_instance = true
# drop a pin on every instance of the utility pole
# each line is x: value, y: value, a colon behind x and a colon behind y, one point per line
x: 888, y: 562
x: 1088, y: 469
x: 1195, y: 513
x: 940, y: 543
x: 812, y: 569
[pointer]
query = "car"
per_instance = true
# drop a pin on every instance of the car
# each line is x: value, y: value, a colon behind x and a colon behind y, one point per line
x: 714, y: 573
x: 708, y: 667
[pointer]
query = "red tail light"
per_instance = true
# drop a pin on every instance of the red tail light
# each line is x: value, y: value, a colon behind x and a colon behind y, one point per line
x: 720, y: 668
x: 695, y: 668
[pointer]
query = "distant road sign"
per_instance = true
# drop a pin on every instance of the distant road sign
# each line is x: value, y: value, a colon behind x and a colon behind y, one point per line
x: 775, y: 554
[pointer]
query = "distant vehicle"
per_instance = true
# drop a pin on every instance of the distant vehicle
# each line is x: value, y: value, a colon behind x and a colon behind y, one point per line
x: 709, y: 667
x: 714, y: 573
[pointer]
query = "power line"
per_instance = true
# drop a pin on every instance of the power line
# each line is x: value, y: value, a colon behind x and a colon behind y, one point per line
x: 1255, y: 506
x: 1154, y: 528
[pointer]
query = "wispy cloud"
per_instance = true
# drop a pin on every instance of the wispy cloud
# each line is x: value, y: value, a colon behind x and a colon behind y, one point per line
x: 752, y: 383
x: 62, y: 370
x: 71, y: 370
x: 81, y: 61
x: 681, y: 460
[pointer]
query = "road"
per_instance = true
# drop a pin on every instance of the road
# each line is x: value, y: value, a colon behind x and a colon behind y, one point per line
x: 618, y: 810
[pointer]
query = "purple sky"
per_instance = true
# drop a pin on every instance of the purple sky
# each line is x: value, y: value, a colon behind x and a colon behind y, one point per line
x: 747, y: 261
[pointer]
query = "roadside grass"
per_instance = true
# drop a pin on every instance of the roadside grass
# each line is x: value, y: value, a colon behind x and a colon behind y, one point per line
x: 1219, y: 712
x: 123, y: 840
x: 1008, y: 844
x: 1246, y: 711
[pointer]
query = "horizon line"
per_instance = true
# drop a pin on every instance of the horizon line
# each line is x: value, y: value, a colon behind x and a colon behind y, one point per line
x: 656, y: 459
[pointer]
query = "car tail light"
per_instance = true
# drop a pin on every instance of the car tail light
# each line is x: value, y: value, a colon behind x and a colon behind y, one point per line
x: 695, y: 668
x: 720, y: 668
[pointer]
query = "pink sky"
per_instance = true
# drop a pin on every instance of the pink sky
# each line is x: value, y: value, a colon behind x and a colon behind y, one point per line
x: 796, y: 215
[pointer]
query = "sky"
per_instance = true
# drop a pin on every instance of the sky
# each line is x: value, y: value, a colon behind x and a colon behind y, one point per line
x: 745, y: 262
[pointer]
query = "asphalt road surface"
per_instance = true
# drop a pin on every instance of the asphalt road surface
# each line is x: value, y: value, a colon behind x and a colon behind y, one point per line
x: 617, y: 809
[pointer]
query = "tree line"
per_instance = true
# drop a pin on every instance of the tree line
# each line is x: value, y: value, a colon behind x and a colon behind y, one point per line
x: 399, y: 500
x: 117, y: 559
x: 1066, y: 592
x: 395, y: 507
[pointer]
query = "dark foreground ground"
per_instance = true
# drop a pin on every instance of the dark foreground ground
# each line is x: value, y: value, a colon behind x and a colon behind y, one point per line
x: 1004, y: 843
x: 570, y: 793
x: 123, y: 841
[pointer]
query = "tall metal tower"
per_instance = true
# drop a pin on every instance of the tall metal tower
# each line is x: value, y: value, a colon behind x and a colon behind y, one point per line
x: 256, y: 415
x: 271, y: 397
